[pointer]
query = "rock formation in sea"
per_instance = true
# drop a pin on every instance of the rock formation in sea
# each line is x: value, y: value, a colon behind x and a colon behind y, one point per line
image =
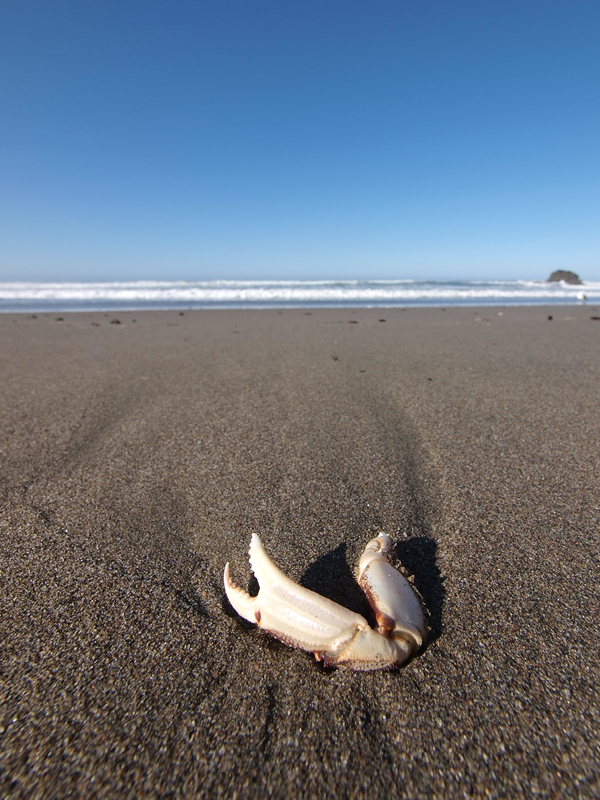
x: 564, y: 275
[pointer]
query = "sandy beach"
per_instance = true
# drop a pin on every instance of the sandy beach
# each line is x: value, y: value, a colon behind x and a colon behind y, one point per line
x: 140, y: 450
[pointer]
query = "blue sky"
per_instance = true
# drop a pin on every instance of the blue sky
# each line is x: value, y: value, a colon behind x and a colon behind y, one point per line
x: 271, y: 139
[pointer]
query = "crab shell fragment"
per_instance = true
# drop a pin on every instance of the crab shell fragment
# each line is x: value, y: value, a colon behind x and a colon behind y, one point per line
x: 337, y: 636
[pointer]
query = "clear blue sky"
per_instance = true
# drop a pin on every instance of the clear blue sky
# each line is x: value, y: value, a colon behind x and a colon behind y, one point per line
x: 297, y: 139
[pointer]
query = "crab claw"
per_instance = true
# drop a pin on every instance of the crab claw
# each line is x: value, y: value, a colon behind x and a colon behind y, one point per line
x: 398, y: 609
x: 306, y: 620
x: 291, y: 613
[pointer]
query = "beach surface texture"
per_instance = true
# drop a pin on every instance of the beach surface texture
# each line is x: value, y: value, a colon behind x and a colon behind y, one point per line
x: 140, y: 450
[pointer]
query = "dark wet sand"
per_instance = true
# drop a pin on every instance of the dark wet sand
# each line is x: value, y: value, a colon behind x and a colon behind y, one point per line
x: 137, y: 458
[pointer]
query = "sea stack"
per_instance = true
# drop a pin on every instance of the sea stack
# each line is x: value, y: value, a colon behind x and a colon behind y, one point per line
x: 566, y: 276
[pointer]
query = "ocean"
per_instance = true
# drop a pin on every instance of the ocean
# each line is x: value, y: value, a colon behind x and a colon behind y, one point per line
x: 34, y: 297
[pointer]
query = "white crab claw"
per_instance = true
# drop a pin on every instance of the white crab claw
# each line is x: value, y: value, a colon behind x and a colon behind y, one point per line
x: 290, y: 612
x: 306, y: 620
x: 397, y: 608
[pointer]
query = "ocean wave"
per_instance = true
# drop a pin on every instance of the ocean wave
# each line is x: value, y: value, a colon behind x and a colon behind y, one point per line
x: 241, y: 294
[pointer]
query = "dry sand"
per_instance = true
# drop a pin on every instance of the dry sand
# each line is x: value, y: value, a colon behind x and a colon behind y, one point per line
x: 136, y: 458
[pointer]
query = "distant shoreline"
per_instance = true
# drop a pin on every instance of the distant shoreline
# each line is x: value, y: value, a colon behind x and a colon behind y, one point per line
x: 31, y: 297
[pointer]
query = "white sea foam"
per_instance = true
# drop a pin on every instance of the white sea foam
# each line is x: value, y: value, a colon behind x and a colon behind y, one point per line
x: 264, y: 294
